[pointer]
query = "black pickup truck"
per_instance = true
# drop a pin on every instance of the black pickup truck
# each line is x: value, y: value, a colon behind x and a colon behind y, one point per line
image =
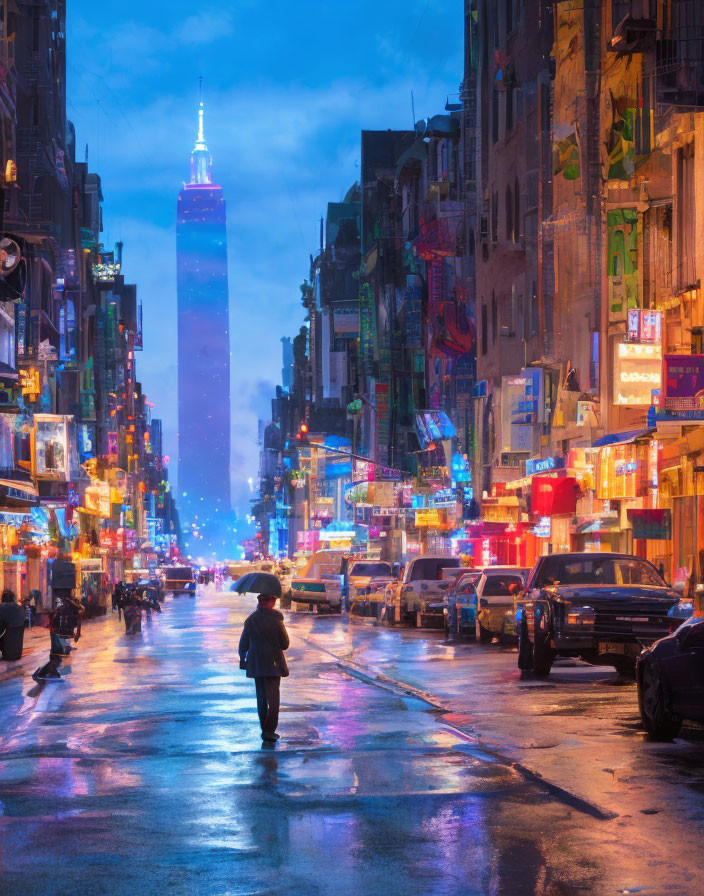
x: 603, y: 608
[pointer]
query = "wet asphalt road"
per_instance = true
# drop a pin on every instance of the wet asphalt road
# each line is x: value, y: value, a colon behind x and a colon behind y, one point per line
x: 142, y: 772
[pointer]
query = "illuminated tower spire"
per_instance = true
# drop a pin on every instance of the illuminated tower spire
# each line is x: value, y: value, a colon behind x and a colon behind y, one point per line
x: 200, y: 157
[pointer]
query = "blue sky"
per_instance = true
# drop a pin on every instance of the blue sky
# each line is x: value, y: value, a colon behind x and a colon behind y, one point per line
x: 287, y: 88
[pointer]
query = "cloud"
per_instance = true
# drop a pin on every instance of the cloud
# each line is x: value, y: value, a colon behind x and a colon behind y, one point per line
x: 286, y: 94
x: 205, y: 28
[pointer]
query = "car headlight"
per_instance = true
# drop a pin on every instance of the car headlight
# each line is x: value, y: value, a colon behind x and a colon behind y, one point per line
x: 581, y: 616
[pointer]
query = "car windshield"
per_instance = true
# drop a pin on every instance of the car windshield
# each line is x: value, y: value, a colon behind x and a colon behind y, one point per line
x: 430, y: 568
x: 596, y: 570
x: 500, y: 585
x: 179, y: 573
x: 371, y: 569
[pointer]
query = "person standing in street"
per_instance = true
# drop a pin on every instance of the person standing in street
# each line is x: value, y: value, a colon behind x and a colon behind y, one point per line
x: 262, y: 644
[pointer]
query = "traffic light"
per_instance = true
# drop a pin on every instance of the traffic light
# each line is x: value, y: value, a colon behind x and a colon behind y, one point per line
x: 302, y: 436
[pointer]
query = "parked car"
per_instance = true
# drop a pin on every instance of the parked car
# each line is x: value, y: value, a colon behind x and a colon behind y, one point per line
x: 601, y: 607
x: 179, y: 580
x: 461, y: 616
x: 415, y: 599
x: 318, y: 585
x: 365, y: 584
x: 670, y: 677
x: 495, y: 597
x: 364, y: 576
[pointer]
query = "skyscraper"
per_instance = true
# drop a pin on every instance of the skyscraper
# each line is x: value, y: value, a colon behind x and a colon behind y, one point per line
x: 203, y: 346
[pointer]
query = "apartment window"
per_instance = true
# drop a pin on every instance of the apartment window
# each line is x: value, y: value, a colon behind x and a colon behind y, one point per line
x: 509, y: 106
x: 494, y: 318
x: 495, y: 116
x: 510, y: 328
x: 523, y: 312
x: 516, y: 212
x: 485, y: 340
x: 509, y: 16
x: 495, y: 217
x: 657, y: 251
x: 619, y: 10
x: 685, y: 217
x: 510, y: 235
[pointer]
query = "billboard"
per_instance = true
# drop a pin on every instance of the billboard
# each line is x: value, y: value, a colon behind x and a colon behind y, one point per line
x: 650, y: 524
x: 683, y: 386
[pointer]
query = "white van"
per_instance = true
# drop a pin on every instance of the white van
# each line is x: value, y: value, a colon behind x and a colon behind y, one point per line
x: 425, y: 583
x: 317, y: 586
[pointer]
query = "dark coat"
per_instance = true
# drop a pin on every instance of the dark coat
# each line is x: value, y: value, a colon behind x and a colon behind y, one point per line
x: 264, y: 639
x: 12, y: 615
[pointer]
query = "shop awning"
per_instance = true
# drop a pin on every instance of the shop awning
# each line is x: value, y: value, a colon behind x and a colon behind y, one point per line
x: 597, y: 524
x: 554, y: 497
x: 621, y: 438
x: 19, y: 485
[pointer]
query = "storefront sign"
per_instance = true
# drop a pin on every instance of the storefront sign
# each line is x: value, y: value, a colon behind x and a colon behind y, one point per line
x: 543, y: 465
x: 51, y: 453
x: 363, y: 470
x: 651, y: 525
x: 307, y: 541
x: 645, y: 326
x: 637, y: 371
x: 429, y: 518
x: 444, y: 497
x: 387, y: 474
x: 97, y: 499
x: 683, y: 386
x: 543, y: 528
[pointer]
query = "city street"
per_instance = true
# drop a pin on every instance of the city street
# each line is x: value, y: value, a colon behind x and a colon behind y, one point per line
x: 405, y: 765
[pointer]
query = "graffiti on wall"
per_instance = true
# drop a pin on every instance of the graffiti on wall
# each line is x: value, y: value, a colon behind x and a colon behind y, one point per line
x: 568, y: 51
x: 622, y: 248
x: 621, y: 91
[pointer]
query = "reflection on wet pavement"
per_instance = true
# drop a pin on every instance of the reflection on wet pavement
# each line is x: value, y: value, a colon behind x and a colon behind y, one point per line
x: 143, y: 773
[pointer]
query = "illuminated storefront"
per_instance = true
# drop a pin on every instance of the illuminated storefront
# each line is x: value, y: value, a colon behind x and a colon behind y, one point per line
x: 637, y: 371
x: 51, y: 455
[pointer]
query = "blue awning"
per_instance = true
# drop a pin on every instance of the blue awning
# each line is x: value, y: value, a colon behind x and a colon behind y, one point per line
x: 621, y: 438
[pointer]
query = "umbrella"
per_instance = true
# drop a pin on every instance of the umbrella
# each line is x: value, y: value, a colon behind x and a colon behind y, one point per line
x: 258, y: 583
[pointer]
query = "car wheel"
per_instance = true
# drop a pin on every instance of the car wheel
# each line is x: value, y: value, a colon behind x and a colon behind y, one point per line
x: 658, y: 720
x: 504, y: 639
x: 483, y: 634
x: 525, y: 649
x: 625, y: 666
x: 543, y: 655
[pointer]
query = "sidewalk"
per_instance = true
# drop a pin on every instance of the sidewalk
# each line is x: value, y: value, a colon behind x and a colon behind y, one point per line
x: 36, y: 645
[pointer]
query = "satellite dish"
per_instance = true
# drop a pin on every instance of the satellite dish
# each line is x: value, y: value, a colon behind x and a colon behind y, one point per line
x: 10, y: 256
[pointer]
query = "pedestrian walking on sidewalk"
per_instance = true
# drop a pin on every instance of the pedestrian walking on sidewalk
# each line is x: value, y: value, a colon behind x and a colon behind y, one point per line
x: 262, y: 644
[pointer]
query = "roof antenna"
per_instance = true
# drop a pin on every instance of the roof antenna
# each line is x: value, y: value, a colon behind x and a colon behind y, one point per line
x: 200, y: 88
x: 413, y: 110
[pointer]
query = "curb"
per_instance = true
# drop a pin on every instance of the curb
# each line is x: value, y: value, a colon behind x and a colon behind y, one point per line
x: 373, y: 677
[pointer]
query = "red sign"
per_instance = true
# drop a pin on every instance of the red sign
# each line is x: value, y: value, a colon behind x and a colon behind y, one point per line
x: 554, y: 497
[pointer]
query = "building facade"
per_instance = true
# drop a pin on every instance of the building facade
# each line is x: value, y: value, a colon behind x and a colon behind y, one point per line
x: 81, y: 465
